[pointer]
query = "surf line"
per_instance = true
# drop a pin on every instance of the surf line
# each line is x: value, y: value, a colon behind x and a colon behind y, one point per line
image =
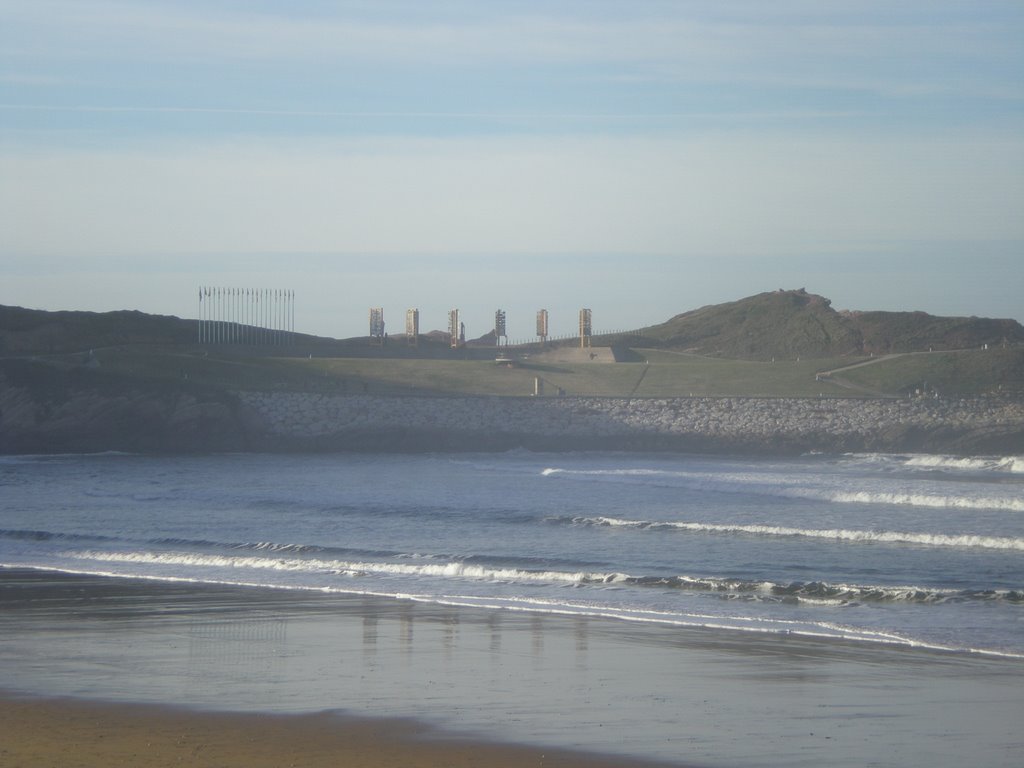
x: 836, y: 534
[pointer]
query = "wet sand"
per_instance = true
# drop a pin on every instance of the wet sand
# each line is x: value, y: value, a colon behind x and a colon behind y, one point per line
x: 377, y: 679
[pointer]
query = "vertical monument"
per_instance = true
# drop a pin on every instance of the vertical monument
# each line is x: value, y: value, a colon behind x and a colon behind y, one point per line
x: 376, y: 325
x: 453, y: 327
x: 542, y: 325
x: 499, y: 328
x: 412, y: 327
x: 586, y: 328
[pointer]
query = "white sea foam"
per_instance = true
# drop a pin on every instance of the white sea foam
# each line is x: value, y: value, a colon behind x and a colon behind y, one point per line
x: 812, y: 593
x: 801, y: 487
x: 700, y: 621
x: 919, y: 500
x: 613, y: 472
x: 1011, y: 464
x: 835, y: 534
x: 448, y: 570
x: 972, y: 464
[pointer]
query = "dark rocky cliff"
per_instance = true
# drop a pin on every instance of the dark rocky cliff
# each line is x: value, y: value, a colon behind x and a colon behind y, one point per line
x: 43, y: 410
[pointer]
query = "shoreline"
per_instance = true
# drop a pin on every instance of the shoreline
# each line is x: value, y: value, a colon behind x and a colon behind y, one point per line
x: 478, y: 679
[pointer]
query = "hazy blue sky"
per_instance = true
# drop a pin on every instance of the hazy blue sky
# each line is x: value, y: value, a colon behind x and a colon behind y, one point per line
x: 640, y: 158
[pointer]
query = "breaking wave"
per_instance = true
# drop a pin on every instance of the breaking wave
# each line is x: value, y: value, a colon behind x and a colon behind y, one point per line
x: 729, y: 589
x: 823, y: 592
x: 1011, y: 464
x: 448, y: 569
x: 918, y: 500
x: 833, y: 534
x: 746, y: 483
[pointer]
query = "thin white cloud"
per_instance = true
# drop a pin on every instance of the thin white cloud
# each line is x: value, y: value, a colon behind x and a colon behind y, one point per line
x: 801, y: 47
x: 735, y: 116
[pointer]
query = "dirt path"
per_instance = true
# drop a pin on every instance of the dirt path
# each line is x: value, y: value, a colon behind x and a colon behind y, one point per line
x: 839, y: 381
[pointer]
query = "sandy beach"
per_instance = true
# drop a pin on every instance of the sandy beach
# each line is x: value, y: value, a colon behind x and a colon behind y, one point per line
x: 362, y: 681
x: 61, y: 733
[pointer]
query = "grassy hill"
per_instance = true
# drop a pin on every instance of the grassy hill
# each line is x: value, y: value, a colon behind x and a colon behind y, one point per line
x: 797, y: 324
x: 781, y: 324
x: 885, y: 332
x: 784, y: 343
x: 31, y: 331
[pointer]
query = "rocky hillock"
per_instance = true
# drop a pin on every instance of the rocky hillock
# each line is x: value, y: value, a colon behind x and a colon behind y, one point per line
x: 32, y: 331
x: 797, y: 324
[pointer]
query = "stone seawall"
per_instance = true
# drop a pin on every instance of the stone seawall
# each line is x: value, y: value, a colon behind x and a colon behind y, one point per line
x: 756, y: 425
x: 73, y: 412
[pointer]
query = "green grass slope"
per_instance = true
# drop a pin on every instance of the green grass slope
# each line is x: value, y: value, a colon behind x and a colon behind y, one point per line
x: 780, y: 324
x: 797, y: 324
x: 885, y: 332
x: 658, y: 373
x: 965, y: 372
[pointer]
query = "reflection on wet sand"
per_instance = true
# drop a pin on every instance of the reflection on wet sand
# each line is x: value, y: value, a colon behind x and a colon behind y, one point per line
x: 580, y: 629
x: 695, y: 696
x: 407, y: 609
x: 369, y: 635
x: 494, y: 624
x: 236, y: 642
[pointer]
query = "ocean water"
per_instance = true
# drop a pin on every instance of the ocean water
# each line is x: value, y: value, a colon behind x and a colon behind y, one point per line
x: 897, y: 550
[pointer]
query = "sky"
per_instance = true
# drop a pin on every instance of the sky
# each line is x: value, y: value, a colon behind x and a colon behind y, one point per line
x: 640, y: 158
